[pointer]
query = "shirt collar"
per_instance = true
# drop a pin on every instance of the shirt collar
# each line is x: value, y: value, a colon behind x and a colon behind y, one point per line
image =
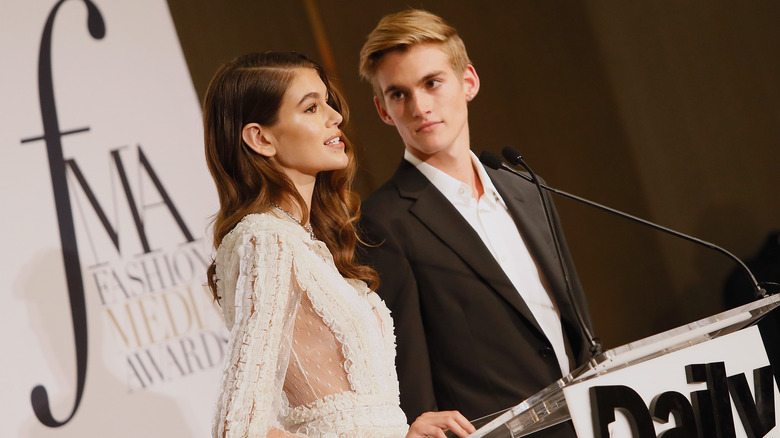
x: 453, y: 189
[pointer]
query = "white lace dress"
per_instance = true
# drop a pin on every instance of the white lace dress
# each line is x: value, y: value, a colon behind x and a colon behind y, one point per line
x: 310, y: 353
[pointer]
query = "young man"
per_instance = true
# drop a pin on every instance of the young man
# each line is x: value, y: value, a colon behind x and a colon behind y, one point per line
x: 466, y: 260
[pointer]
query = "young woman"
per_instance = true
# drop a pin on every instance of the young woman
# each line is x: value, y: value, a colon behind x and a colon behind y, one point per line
x: 311, y: 349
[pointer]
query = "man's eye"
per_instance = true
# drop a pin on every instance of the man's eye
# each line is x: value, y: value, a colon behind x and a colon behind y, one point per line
x: 433, y: 83
x: 397, y: 95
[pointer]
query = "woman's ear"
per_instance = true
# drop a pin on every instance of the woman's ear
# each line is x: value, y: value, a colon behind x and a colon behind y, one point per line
x: 258, y: 139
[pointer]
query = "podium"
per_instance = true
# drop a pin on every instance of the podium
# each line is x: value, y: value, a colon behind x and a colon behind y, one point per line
x: 584, y: 398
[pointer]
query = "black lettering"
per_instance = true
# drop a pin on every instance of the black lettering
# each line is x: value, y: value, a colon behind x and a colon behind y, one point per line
x: 757, y: 415
x: 188, y: 348
x: 52, y: 135
x: 674, y: 404
x: 102, y: 284
x: 112, y: 233
x: 135, y: 374
x: 605, y: 400
x: 713, y: 405
x: 109, y: 283
x: 131, y: 271
x: 164, y: 194
x: 167, y: 259
x: 134, y: 210
x: 139, y: 225
x: 172, y: 357
x: 119, y: 283
x: 152, y: 363
x: 151, y: 274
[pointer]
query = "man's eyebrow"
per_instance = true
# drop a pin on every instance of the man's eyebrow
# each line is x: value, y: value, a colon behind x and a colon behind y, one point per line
x: 426, y: 78
x: 391, y: 88
x: 432, y: 75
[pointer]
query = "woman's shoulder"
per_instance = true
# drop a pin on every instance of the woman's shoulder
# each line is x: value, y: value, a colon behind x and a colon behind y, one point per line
x: 259, y: 225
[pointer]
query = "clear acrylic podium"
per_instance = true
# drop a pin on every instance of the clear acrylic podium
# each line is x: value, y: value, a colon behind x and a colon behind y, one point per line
x: 548, y: 407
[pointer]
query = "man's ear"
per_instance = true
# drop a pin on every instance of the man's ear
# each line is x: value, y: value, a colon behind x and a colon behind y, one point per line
x: 470, y: 82
x: 383, y: 112
x: 258, y: 139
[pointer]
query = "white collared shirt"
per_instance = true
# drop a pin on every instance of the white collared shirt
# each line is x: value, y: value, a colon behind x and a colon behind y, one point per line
x: 491, y: 220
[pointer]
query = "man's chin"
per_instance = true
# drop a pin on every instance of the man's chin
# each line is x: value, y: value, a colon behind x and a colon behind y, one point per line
x: 423, y: 152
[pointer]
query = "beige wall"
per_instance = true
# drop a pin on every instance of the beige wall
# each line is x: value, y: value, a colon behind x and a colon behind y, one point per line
x: 667, y: 110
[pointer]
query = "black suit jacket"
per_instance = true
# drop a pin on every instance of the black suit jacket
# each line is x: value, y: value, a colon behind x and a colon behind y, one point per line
x: 466, y: 339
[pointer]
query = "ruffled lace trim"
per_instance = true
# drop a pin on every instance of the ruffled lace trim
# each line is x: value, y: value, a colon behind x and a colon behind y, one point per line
x: 355, y: 332
x: 372, y: 407
x: 251, y: 407
x: 348, y: 412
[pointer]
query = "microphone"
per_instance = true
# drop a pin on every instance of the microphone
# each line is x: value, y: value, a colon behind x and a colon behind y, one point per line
x: 514, y: 157
x: 494, y: 162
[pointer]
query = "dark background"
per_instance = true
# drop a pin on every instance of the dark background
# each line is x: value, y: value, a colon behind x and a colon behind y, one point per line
x: 668, y: 110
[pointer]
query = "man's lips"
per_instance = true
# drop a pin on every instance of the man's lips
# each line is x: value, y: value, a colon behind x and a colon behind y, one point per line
x: 427, y: 126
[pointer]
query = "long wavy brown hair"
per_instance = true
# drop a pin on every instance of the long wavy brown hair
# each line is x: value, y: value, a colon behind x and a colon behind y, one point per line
x: 249, y: 89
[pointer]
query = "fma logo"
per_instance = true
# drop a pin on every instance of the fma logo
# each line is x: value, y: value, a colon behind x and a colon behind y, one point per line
x: 147, y: 284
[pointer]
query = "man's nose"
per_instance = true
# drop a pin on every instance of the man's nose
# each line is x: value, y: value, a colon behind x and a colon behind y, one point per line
x: 421, y: 104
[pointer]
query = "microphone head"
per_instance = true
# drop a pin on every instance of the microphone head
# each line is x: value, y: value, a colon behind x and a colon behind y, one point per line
x: 512, y: 155
x: 490, y: 160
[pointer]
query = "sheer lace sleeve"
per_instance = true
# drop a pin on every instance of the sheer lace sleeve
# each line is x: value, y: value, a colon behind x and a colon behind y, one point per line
x: 259, y: 298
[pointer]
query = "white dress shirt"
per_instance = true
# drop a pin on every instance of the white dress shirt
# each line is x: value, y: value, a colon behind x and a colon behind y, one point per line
x: 491, y: 220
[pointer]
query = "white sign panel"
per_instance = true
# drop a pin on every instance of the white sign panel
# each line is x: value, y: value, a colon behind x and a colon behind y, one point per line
x: 105, y: 197
x: 697, y: 391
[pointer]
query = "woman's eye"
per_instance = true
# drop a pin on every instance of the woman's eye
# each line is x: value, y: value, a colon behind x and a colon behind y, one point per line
x: 312, y: 109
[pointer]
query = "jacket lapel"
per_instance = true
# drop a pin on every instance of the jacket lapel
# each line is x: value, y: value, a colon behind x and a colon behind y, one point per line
x: 524, y: 205
x: 443, y: 219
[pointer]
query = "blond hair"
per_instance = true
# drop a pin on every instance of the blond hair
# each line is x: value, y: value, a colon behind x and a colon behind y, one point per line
x: 404, y: 29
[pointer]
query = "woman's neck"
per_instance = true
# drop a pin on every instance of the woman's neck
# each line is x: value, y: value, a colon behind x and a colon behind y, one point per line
x: 306, y: 191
